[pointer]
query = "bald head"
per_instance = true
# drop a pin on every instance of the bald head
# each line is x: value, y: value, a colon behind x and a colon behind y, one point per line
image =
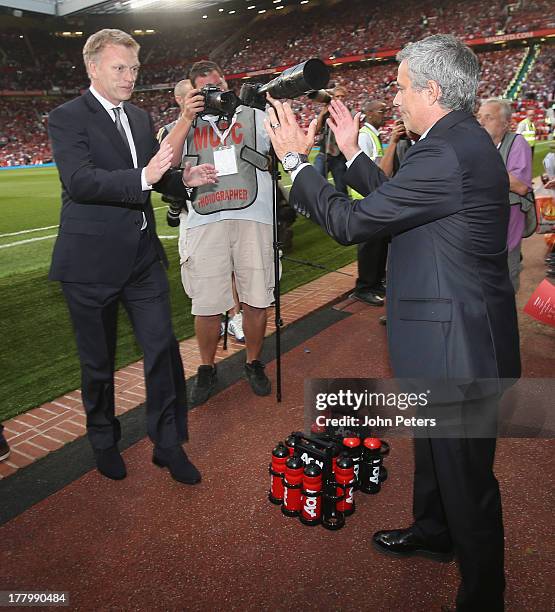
x: 180, y: 90
x: 375, y: 111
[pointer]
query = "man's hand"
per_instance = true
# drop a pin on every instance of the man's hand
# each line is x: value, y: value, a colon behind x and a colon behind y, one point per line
x: 159, y: 164
x: 284, y: 131
x: 345, y: 128
x: 397, y: 132
x: 195, y: 176
x: 193, y: 104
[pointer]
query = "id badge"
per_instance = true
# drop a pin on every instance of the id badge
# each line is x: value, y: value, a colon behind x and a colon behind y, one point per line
x: 225, y: 161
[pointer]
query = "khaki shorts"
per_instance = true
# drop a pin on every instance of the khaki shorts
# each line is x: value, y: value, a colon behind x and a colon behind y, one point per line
x: 212, y: 252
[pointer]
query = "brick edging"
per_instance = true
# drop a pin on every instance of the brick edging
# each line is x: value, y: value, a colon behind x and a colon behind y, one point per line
x: 46, y: 428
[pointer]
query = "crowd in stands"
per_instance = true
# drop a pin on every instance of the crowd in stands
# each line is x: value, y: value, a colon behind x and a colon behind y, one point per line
x: 540, y: 84
x: 530, y: 15
x: 498, y: 69
x: 355, y: 29
x: 39, y: 61
x: 23, y: 137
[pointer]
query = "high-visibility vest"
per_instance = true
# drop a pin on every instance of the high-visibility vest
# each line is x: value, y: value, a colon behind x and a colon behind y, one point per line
x: 527, y: 128
x: 355, y: 195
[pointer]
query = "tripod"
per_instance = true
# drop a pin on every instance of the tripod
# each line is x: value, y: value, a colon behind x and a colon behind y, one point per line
x: 274, y: 171
x: 276, y: 245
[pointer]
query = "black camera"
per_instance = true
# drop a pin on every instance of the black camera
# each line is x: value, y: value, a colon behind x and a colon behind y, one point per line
x: 218, y: 102
x: 295, y: 81
x: 175, y: 206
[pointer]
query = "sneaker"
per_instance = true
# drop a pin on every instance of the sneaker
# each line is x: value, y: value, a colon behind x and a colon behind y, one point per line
x: 4, y: 448
x: 235, y: 327
x: 258, y: 380
x: 222, y: 329
x: 204, y: 385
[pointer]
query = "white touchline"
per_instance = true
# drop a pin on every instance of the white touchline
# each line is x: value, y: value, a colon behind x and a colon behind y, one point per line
x: 12, y: 244
x: 27, y: 231
x: 38, y: 229
x: 41, y: 229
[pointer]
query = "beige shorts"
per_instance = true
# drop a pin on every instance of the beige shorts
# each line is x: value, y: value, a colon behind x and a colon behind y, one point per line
x: 212, y: 252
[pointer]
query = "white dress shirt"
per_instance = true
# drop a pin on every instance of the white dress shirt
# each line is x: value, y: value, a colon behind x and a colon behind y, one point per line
x: 108, y: 106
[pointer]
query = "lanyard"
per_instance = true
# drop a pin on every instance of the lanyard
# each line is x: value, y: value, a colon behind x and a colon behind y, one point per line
x: 214, y: 125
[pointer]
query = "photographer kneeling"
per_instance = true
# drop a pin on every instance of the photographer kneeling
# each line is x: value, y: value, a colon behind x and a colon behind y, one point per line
x: 228, y: 229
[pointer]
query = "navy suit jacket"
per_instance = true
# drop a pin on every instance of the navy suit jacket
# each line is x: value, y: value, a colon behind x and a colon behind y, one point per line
x: 450, y: 303
x: 102, y: 198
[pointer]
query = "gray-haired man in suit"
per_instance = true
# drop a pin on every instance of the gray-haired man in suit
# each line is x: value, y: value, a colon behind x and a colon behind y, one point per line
x: 450, y: 304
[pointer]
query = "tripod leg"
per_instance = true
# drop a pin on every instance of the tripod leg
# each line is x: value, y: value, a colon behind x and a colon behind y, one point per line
x: 226, y: 321
x: 276, y: 245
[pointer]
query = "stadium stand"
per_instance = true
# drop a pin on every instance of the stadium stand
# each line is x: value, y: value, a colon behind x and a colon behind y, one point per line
x: 45, y: 66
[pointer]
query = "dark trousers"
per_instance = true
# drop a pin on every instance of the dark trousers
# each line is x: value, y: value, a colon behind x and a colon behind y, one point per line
x: 457, y: 501
x: 94, y: 311
x: 338, y: 169
x: 372, y: 259
x: 334, y: 164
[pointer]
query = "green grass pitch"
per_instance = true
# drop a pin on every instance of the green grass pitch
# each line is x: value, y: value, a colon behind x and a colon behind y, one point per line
x: 38, y: 359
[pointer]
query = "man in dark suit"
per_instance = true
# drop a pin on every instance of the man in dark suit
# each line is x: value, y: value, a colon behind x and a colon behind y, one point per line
x: 450, y: 305
x: 107, y: 251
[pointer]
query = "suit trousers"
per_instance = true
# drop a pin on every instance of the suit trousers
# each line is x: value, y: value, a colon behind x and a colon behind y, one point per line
x: 336, y: 165
x: 372, y: 259
x: 94, y: 311
x: 457, y: 502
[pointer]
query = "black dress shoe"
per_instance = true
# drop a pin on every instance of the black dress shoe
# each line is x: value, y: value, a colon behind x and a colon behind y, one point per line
x: 176, y: 460
x: 369, y: 297
x: 380, y: 289
x: 110, y: 463
x: 405, y: 543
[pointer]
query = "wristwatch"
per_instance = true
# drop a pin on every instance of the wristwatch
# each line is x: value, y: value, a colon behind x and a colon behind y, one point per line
x: 291, y: 161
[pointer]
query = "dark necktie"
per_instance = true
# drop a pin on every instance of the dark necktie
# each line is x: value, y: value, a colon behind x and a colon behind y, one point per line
x: 119, y: 127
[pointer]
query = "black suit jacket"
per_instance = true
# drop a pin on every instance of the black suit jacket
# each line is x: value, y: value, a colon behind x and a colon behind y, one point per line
x: 450, y: 304
x: 102, y: 199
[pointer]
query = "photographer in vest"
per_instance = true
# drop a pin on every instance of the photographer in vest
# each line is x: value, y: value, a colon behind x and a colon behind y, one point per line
x: 495, y: 116
x: 228, y: 230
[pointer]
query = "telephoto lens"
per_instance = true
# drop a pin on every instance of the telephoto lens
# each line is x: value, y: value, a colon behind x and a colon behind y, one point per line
x: 307, y: 76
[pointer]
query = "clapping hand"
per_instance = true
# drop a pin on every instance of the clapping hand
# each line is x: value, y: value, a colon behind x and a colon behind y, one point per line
x: 345, y: 128
x: 159, y: 164
x: 195, y: 176
x: 284, y: 131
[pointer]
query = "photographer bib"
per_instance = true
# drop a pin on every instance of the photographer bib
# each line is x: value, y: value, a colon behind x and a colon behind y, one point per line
x: 223, y: 145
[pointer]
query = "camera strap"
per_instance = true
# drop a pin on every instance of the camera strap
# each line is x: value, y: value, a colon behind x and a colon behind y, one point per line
x: 217, y: 131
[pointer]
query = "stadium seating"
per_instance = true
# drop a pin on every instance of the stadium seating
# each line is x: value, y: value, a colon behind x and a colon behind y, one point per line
x: 38, y: 62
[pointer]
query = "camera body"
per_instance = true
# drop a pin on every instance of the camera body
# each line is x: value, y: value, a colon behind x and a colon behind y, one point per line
x: 218, y: 102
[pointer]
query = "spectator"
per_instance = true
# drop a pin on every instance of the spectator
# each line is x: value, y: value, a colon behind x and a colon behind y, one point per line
x: 495, y: 116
